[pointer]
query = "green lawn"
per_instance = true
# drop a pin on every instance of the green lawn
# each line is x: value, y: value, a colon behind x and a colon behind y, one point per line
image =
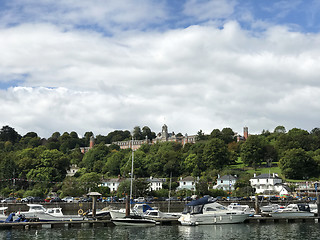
x: 259, y: 170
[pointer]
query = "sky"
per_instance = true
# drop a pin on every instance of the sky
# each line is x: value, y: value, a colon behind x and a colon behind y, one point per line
x: 105, y: 65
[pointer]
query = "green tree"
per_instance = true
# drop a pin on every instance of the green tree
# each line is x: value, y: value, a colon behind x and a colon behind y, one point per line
x: 98, y: 153
x: 216, y: 154
x: 9, y: 134
x: 297, y: 164
x: 146, y: 132
x: 280, y: 129
x: 89, y: 182
x: 227, y: 135
x: 137, y: 134
x: 252, y: 150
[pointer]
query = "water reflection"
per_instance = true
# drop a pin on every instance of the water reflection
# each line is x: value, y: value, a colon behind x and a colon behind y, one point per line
x: 233, y: 231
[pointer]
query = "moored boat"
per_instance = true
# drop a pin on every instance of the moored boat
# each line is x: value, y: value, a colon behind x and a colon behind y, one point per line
x: 207, y: 211
x: 292, y: 211
x: 239, y: 207
x: 134, y: 221
x: 157, y: 215
x: 37, y: 211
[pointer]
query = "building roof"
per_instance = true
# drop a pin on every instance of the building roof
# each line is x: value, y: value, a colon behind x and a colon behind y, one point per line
x: 227, y: 177
x: 189, y: 178
x: 266, y: 176
x: 113, y: 180
x: 155, y: 180
x: 286, y: 187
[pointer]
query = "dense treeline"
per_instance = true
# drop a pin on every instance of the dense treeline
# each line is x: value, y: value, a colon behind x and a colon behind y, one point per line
x: 30, y: 165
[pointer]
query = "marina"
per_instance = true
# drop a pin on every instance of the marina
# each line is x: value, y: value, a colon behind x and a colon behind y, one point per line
x: 297, y: 231
x: 159, y: 222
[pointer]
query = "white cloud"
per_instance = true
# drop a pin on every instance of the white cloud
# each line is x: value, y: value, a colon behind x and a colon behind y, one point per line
x: 209, y: 9
x: 196, y: 78
x: 108, y: 15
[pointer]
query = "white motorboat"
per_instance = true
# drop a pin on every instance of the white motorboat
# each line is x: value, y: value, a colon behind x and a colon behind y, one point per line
x: 138, y: 209
x: 207, y: 211
x: 293, y: 210
x: 37, y: 211
x: 3, y: 215
x: 134, y: 221
x: 239, y: 207
x: 270, y: 208
x: 103, y: 214
x: 155, y: 214
x: 118, y: 217
x: 313, y: 207
x: 117, y: 213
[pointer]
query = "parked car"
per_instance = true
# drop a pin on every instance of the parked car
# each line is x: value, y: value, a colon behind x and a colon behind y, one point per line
x: 9, y: 200
x: 27, y: 199
x: 56, y: 199
x: 139, y: 199
x: 37, y: 200
x: 172, y: 199
x: 89, y: 199
x: 68, y: 199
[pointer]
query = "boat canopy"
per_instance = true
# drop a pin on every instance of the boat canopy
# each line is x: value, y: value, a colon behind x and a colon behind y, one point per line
x: 202, y: 201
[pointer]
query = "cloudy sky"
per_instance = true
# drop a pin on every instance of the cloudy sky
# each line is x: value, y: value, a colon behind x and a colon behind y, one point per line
x: 102, y: 65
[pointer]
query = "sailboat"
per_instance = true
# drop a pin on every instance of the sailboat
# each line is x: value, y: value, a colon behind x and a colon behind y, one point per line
x: 132, y: 220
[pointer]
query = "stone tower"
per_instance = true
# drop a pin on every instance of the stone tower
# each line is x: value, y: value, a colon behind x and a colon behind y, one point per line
x: 164, y: 133
x: 245, y: 133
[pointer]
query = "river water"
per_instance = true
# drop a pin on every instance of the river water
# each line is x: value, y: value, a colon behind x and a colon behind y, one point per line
x: 270, y: 231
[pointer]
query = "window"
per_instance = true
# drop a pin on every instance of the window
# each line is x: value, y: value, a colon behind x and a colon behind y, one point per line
x: 210, y: 209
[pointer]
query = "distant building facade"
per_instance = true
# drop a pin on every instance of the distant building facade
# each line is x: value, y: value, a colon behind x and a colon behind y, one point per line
x: 155, y: 183
x: 72, y: 171
x: 226, y: 182
x: 245, y: 135
x: 265, y: 183
x: 112, y: 183
x: 188, y: 183
x: 163, y: 136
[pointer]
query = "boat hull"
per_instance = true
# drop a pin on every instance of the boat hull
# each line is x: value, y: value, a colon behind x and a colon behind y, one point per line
x: 207, y: 219
x: 291, y: 214
x: 46, y: 217
x: 133, y: 222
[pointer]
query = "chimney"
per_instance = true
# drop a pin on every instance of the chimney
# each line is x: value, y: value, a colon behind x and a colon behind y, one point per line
x: 245, y: 133
x: 91, y: 142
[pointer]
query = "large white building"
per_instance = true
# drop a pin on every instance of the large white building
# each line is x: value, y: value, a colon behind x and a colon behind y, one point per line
x: 226, y: 182
x: 265, y: 183
x: 188, y: 183
x: 155, y: 183
x: 112, y: 183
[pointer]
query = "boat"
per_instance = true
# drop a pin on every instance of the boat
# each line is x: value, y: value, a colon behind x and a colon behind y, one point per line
x: 38, y: 212
x: 207, y: 211
x: 270, y: 208
x: 313, y: 208
x: 134, y: 221
x: 239, y: 207
x: 3, y: 216
x: 118, y: 213
x: 103, y: 214
x: 122, y: 218
x: 157, y: 215
x: 293, y: 211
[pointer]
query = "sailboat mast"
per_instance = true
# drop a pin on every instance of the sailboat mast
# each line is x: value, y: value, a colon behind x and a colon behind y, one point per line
x: 131, y: 168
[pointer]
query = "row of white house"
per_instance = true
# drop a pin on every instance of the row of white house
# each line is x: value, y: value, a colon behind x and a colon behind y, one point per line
x: 263, y: 184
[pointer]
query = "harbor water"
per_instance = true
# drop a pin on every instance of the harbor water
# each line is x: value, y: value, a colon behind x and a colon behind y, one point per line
x: 272, y: 231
